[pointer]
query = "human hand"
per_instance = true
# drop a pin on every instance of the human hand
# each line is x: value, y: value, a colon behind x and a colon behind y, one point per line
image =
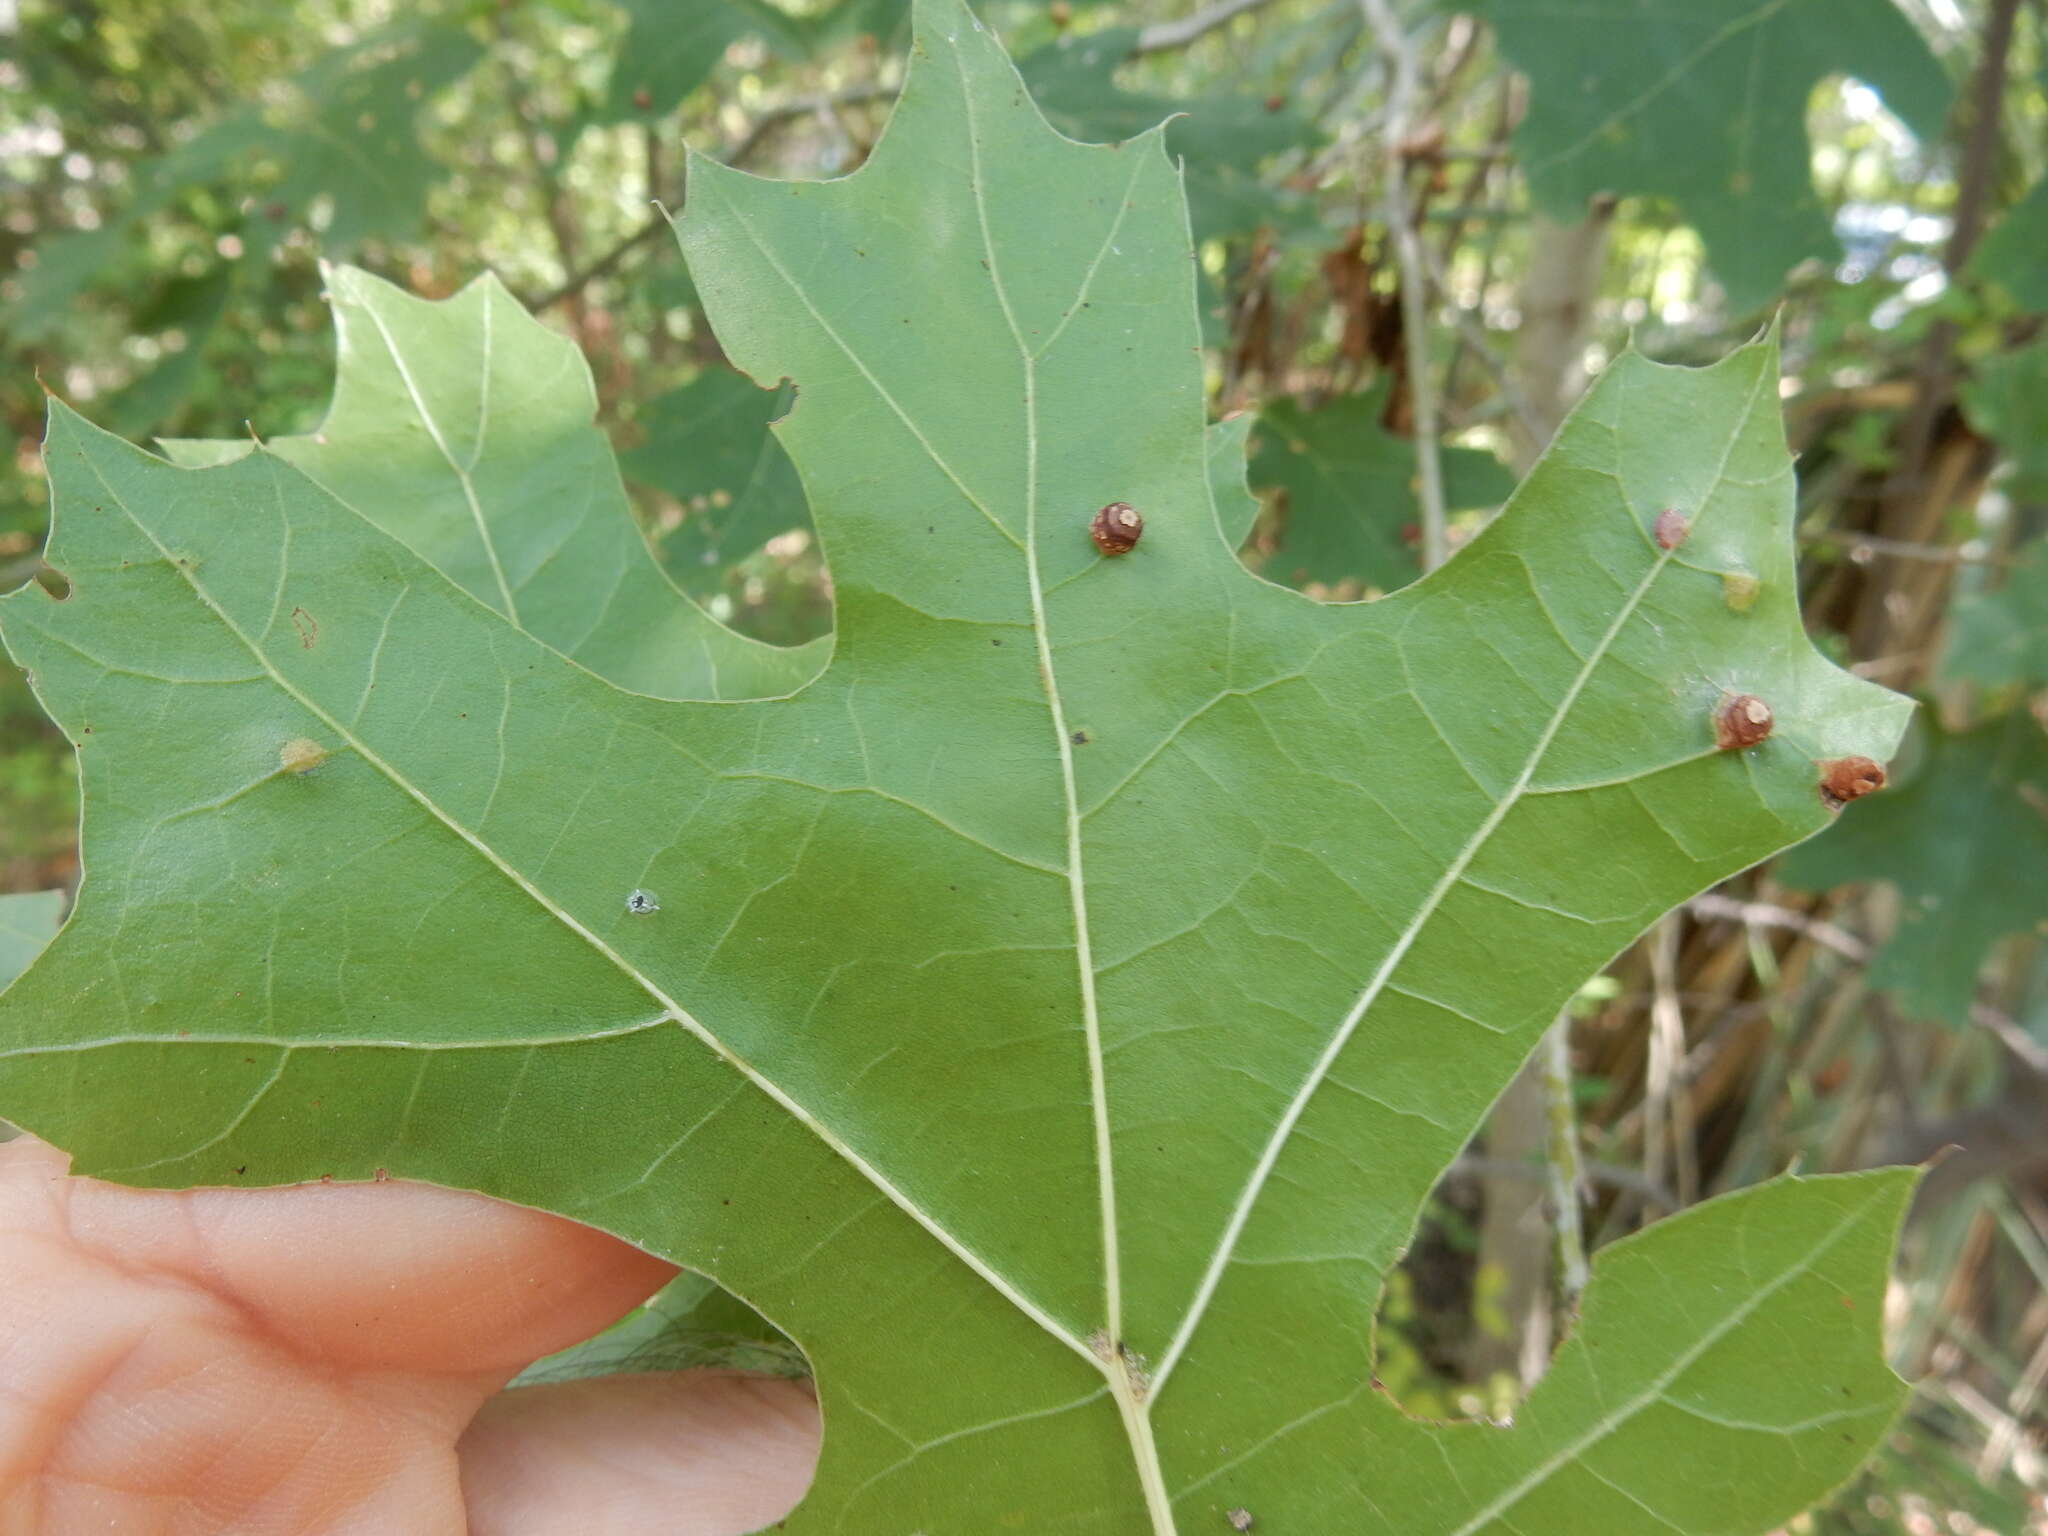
x: 326, y: 1360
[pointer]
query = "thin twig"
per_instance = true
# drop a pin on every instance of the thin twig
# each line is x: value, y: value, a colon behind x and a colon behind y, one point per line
x: 1162, y: 35
x: 742, y: 150
x: 2022, y: 1045
x: 1985, y: 100
x: 1563, y: 1163
x: 1474, y: 333
x: 1627, y: 1180
x: 1399, y: 60
x: 1764, y: 914
x: 1667, y: 1117
x: 543, y: 153
x: 1864, y: 545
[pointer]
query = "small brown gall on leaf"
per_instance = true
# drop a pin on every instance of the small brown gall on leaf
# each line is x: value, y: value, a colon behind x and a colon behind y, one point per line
x: 300, y: 755
x: 1670, y: 528
x: 1739, y: 590
x: 1742, y: 722
x: 1843, y: 779
x: 1116, y: 528
x: 1240, y: 1519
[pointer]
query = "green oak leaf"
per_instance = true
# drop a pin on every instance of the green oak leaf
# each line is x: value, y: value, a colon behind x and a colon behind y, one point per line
x: 2006, y: 398
x: 1999, y: 638
x: 1055, y: 1014
x: 1963, y: 842
x: 1704, y: 102
x: 707, y: 445
x: 2012, y: 254
x: 467, y: 428
x: 1349, y: 484
x: 27, y: 920
x: 668, y: 50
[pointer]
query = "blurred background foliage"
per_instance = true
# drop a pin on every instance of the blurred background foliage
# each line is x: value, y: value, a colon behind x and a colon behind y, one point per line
x: 1420, y: 228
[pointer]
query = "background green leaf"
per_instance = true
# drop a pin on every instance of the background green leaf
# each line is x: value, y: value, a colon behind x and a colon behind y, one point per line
x: 1704, y: 102
x: 1963, y: 842
x: 707, y: 446
x: 1350, y: 511
x: 2008, y: 401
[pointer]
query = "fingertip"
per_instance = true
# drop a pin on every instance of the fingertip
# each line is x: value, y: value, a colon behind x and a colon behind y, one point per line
x: 386, y: 1275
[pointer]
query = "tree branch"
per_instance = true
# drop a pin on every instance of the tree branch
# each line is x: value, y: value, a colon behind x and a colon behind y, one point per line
x: 1399, y: 60
x: 1162, y: 35
x: 1973, y: 188
x: 742, y: 150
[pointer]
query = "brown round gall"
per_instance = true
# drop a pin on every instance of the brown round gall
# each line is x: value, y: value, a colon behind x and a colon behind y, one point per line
x: 1742, y: 722
x: 1116, y: 528
x: 1670, y: 528
x: 1843, y: 779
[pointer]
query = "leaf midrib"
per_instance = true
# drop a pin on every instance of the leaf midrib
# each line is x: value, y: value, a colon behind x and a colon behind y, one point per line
x: 1269, y: 1158
x: 1607, y: 1423
x: 464, y: 474
x: 671, y: 1008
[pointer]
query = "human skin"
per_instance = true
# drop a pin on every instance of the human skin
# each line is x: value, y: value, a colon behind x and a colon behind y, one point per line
x: 326, y: 1360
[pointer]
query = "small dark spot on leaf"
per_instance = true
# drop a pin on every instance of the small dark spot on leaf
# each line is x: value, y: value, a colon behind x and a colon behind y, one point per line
x: 1080, y: 738
x: 242, y: 1170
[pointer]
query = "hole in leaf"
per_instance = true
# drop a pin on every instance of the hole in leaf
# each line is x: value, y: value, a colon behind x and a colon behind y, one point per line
x: 693, y: 1364
x: 1470, y: 1317
x: 53, y: 581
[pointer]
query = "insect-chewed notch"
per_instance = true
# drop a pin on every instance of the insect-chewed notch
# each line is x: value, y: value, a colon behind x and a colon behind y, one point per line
x: 1117, y: 528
